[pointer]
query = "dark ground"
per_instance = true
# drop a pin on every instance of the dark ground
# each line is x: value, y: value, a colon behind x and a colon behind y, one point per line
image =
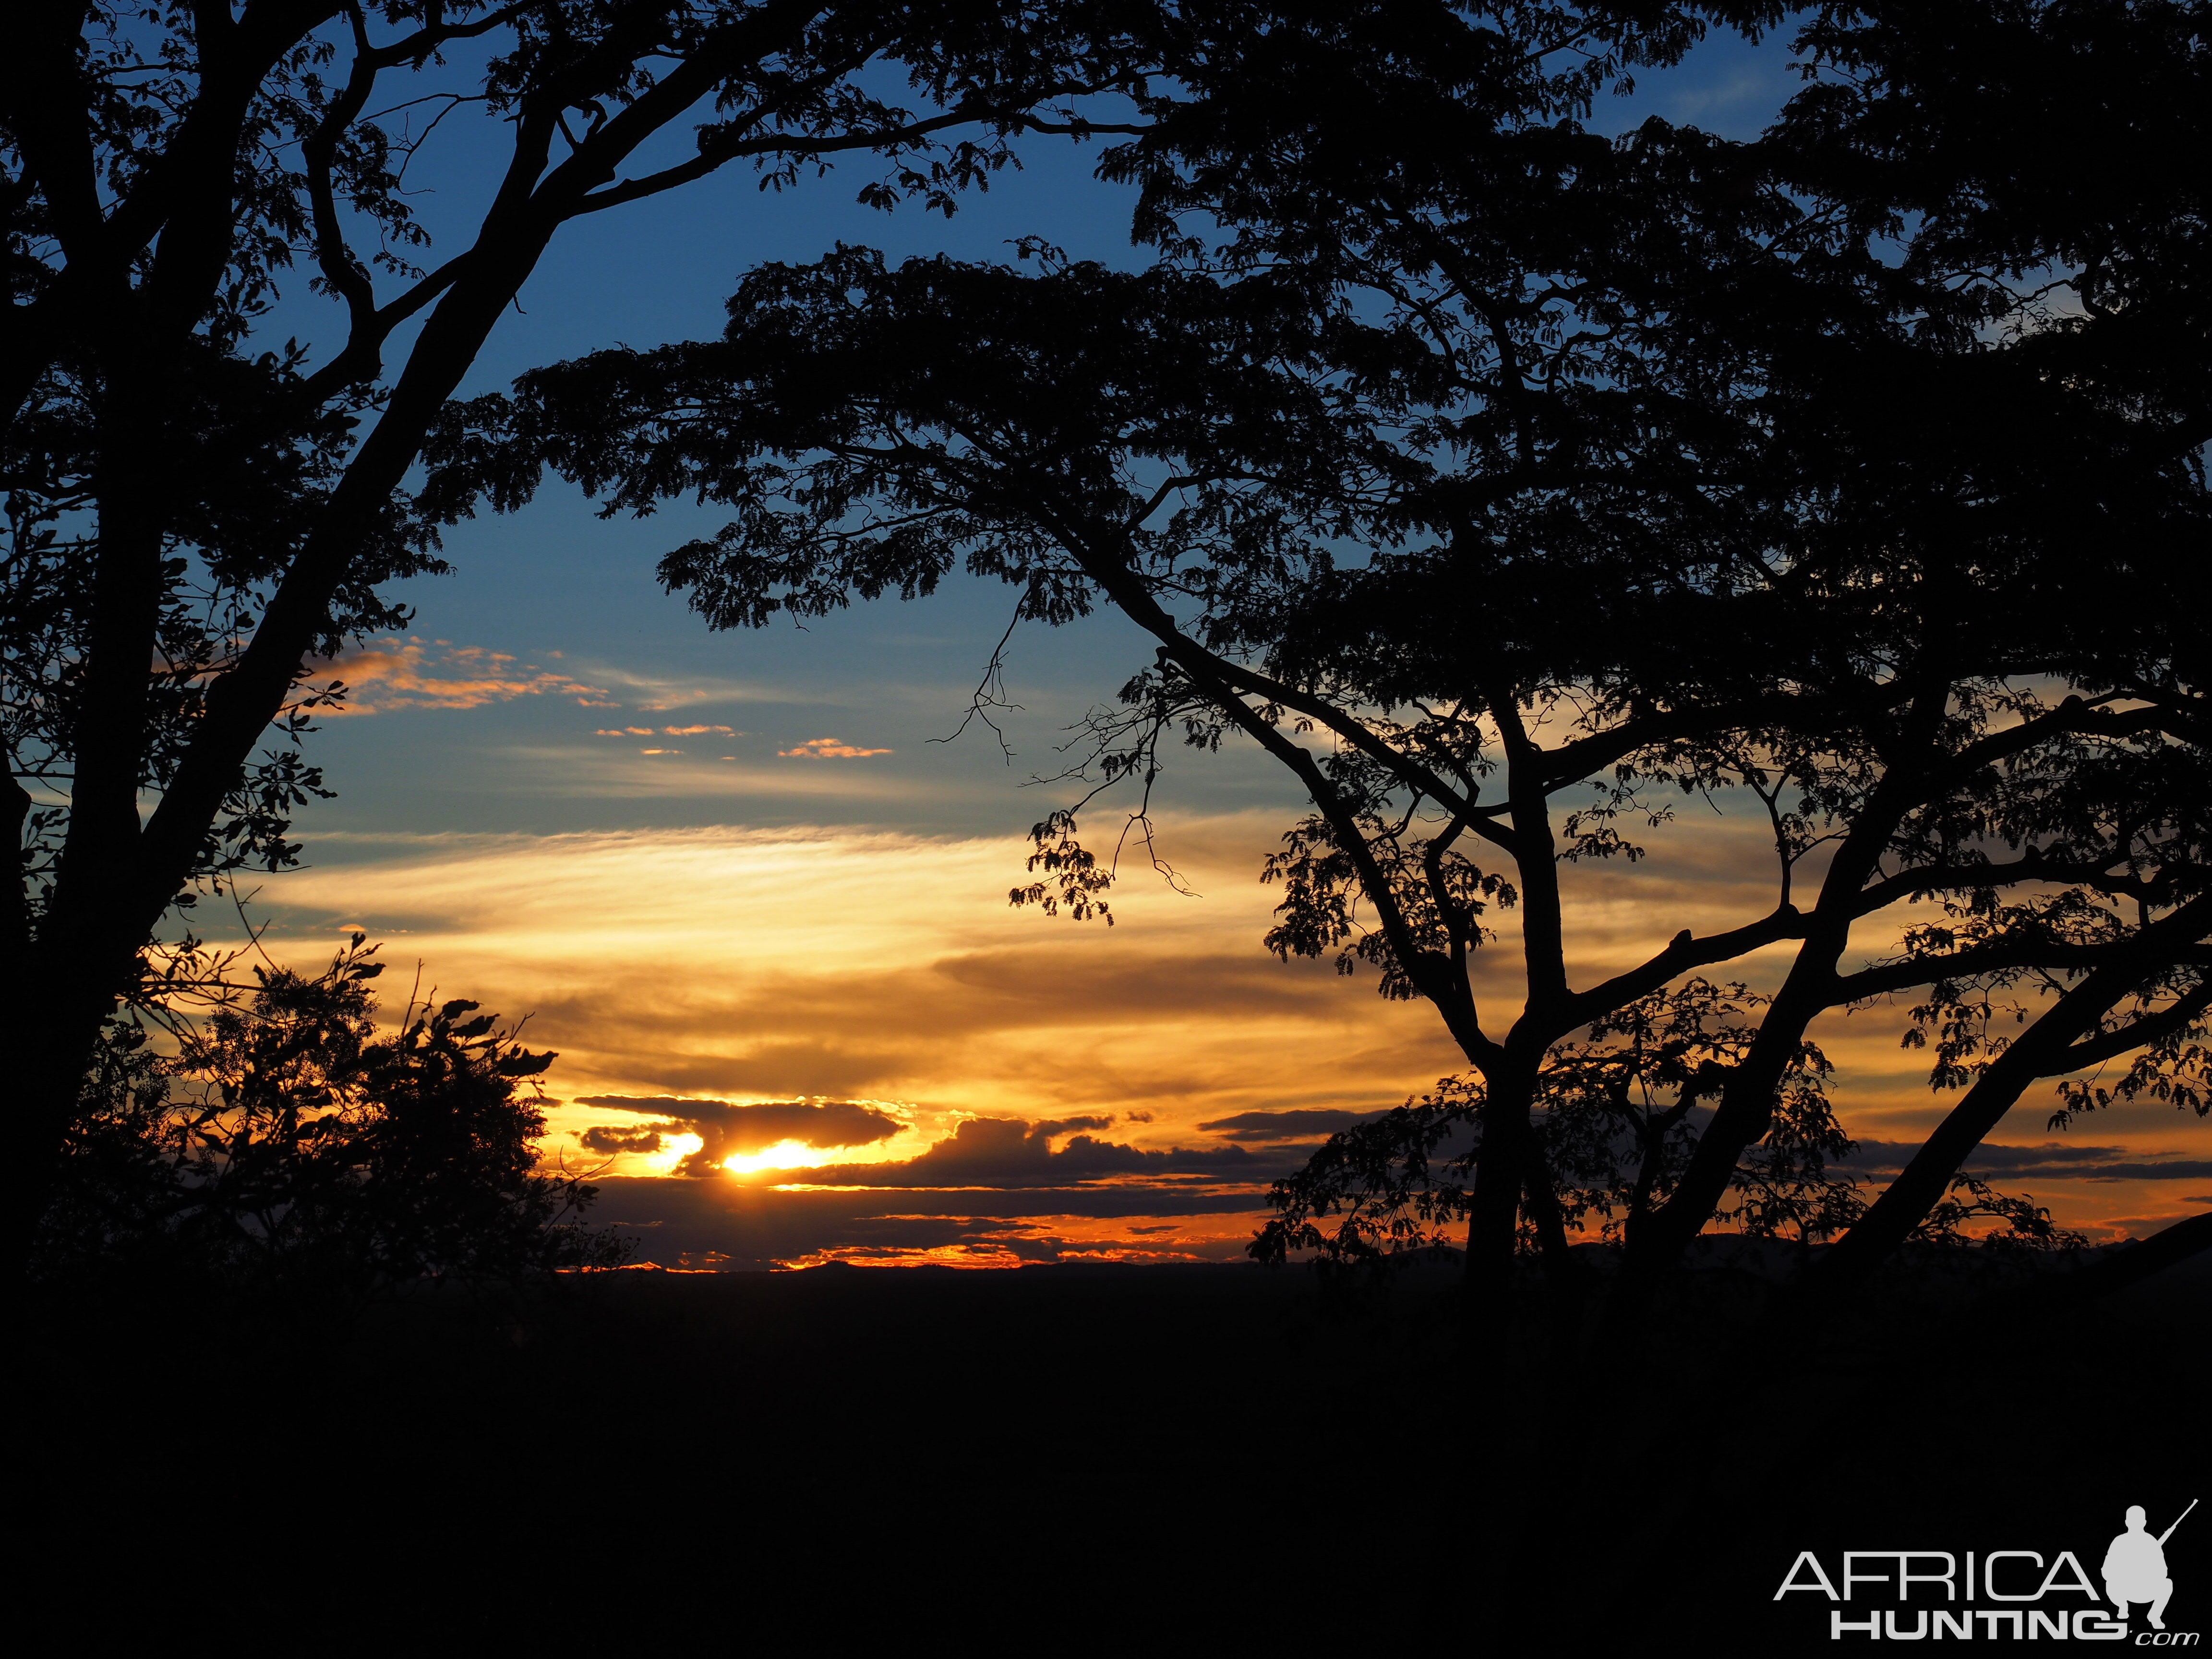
x: 1055, y: 1459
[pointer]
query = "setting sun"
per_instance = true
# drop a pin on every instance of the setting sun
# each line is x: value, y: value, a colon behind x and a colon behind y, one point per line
x: 783, y: 1155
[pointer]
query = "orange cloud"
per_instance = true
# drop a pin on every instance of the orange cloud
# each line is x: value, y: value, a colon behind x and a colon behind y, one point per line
x: 827, y: 749
x: 674, y: 731
x: 390, y: 674
x: 746, y: 967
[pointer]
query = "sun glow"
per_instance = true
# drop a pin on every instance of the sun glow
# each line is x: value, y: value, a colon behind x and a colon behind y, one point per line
x: 674, y: 1149
x: 783, y: 1155
x: 887, y: 972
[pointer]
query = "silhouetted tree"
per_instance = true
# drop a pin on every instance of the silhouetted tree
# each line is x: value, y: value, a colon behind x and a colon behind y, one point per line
x: 288, y: 1146
x: 1465, y: 459
x: 193, y: 515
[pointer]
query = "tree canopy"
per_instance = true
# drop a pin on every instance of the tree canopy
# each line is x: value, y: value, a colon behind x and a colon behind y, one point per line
x: 291, y: 1150
x: 1507, y: 482
x: 194, y: 515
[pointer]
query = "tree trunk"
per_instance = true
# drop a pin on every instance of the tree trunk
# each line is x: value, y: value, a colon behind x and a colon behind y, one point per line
x: 1494, y: 1208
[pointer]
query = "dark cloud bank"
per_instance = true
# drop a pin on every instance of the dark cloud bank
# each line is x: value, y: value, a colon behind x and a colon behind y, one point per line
x: 994, y: 1185
x: 738, y: 1224
x: 1301, y: 1124
x: 2061, y: 1163
x: 1001, y: 1151
x: 727, y: 1131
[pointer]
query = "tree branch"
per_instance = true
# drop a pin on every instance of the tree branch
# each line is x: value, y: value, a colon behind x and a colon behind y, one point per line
x: 1998, y: 957
x: 708, y: 162
x: 1451, y: 994
x: 2041, y: 1051
x: 1683, y: 953
x: 2110, y: 1045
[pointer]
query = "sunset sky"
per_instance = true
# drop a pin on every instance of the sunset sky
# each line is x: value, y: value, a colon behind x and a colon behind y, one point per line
x: 726, y: 872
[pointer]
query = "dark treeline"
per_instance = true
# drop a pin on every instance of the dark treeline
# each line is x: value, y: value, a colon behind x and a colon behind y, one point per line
x: 1013, y: 1453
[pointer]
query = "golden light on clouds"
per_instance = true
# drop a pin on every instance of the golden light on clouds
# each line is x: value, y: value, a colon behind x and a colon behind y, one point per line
x: 775, y: 964
x: 666, y: 730
x: 683, y: 973
x: 391, y: 674
x: 827, y: 749
x: 674, y: 1149
x: 783, y: 1155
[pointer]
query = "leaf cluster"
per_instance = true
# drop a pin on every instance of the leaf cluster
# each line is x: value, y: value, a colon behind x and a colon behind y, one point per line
x: 1619, y: 1114
x: 291, y: 1145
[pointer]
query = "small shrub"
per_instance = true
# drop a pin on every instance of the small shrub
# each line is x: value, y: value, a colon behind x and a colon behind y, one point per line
x: 288, y: 1146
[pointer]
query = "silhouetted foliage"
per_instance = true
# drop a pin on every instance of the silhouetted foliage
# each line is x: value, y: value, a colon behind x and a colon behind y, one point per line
x: 1507, y: 482
x: 1617, y: 1116
x: 193, y: 519
x: 290, y: 1146
x: 1470, y: 463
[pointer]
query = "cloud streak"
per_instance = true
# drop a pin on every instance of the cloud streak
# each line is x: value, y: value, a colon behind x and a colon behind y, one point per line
x: 827, y: 749
x: 666, y: 730
x: 1273, y: 1128
x: 990, y: 1152
x: 726, y: 1131
x: 732, y: 1224
x: 687, y: 975
x: 2065, y: 1163
x: 654, y: 694
x: 391, y: 674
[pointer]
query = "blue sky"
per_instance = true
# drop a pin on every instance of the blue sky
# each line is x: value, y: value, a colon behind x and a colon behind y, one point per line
x: 556, y: 580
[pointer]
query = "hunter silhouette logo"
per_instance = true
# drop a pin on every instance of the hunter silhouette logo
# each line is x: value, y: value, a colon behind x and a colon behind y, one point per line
x: 2135, y: 1566
x: 2028, y: 1591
